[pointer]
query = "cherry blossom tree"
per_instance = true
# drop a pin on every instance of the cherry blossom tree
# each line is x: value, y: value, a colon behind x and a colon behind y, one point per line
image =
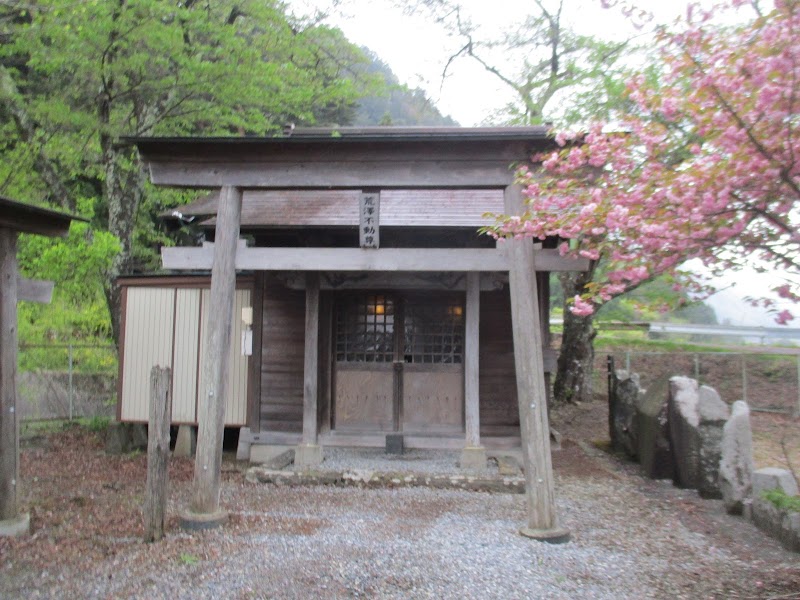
x: 709, y: 168
x: 704, y: 167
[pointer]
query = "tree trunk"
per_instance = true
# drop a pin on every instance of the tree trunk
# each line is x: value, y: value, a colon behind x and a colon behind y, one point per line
x: 573, y: 382
x: 123, y: 191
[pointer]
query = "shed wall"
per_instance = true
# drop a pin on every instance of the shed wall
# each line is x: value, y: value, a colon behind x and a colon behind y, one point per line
x: 187, y: 342
x: 164, y: 326
x: 147, y: 343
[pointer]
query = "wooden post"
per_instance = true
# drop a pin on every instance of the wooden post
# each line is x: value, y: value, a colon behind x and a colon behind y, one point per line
x: 471, y: 360
x: 211, y: 408
x: 155, y: 501
x: 309, y: 453
x: 531, y: 394
x: 473, y: 456
x: 9, y: 439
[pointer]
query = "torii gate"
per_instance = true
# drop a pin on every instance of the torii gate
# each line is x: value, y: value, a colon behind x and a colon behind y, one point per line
x: 16, y: 218
x: 364, y: 159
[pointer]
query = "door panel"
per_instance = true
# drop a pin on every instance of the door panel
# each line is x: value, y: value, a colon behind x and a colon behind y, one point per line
x: 433, y: 401
x: 364, y: 399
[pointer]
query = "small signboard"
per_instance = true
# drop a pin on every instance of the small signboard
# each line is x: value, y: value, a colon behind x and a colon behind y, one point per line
x: 369, y: 219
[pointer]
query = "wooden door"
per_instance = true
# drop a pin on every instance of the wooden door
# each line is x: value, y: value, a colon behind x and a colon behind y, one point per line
x: 433, y: 364
x: 365, y: 383
x: 399, y: 363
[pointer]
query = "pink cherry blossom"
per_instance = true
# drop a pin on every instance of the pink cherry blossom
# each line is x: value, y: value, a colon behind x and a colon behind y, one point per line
x: 727, y: 107
x: 581, y: 308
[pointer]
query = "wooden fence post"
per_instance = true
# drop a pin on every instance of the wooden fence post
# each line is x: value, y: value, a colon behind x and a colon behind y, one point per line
x: 155, y: 501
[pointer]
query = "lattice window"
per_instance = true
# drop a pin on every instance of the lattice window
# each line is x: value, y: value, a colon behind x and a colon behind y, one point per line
x: 434, y: 333
x: 365, y: 329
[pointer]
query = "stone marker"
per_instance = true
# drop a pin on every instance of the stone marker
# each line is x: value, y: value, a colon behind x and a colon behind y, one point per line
x: 713, y: 412
x: 683, y: 416
x: 736, y: 462
x: 623, y: 404
x: 655, y: 452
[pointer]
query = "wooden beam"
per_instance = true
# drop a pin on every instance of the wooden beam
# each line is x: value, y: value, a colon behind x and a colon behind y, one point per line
x: 542, y: 522
x: 34, y: 290
x: 211, y: 410
x: 471, y: 361
x: 26, y: 218
x: 358, y: 259
x: 311, y: 361
x: 329, y: 163
x: 334, y: 175
x: 296, y: 280
x: 9, y: 431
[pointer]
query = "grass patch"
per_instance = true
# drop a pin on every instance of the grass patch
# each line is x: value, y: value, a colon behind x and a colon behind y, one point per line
x: 782, y: 500
x: 188, y: 559
x: 97, y: 423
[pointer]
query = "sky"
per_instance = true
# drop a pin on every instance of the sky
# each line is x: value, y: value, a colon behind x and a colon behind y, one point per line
x: 417, y: 50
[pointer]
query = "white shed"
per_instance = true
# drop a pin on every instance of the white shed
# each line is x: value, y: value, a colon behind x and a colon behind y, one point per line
x: 163, y: 323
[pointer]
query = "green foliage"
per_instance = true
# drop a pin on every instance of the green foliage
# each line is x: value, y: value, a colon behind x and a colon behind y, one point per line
x: 79, y: 265
x: 76, y: 77
x: 189, y: 559
x: 656, y: 300
x: 93, y: 358
x: 652, y: 301
x: 98, y: 424
x: 782, y: 500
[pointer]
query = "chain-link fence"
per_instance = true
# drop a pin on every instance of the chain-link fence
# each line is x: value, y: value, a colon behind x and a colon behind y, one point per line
x: 66, y: 381
x: 766, y: 381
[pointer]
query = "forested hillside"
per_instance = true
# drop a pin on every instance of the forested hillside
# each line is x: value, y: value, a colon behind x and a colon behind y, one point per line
x: 75, y: 78
x: 398, y: 104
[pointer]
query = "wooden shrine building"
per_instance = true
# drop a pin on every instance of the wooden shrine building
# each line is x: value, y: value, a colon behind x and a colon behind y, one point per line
x: 377, y: 308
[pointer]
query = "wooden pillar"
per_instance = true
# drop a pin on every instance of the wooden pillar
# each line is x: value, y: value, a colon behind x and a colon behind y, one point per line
x: 542, y: 523
x: 471, y: 360
x: 309, y: 453
x: 254, y: 365
x: 473, y: 455
x: 155, y: 500
x: 211, y: 408
x: 9, y: 439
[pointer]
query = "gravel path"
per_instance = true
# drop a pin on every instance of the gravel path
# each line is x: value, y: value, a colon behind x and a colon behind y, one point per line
x: 632, y: 538
x: 416, y: 543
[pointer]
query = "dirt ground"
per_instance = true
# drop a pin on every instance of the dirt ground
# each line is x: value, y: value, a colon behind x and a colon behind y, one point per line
x: 85, y: 509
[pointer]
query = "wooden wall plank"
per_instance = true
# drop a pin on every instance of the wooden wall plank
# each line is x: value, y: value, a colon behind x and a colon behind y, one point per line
x: 283, y: 334
x: 497, y: 383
